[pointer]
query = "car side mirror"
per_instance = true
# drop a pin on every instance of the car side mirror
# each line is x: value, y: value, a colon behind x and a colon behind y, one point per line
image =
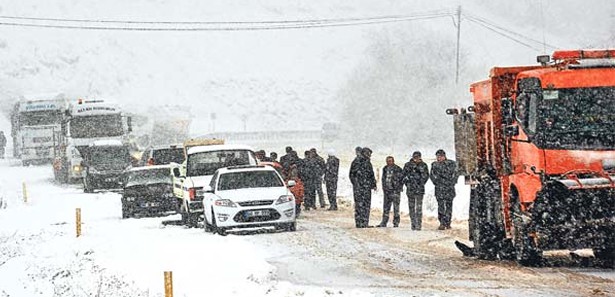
x: 511, y: 130
x: 176, y: 172
x: 292, y: 183
x: 206, y: 189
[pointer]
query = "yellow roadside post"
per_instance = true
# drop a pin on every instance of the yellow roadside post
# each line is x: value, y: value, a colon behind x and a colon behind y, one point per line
x: 78, y: 221
x: 168, y: 284
x: 24, y: 192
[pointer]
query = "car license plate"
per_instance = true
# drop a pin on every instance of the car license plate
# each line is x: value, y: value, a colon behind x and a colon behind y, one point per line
x: 257, y: 213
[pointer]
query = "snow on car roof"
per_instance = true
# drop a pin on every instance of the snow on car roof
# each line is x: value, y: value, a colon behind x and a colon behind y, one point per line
x: 219, y: 147
x: 245, y: 168
x: 107, y: 142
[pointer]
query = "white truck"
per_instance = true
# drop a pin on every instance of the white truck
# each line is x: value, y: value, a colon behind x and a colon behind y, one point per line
x: 85, y: 122
x: 36, y: 121
x: 190, y: 177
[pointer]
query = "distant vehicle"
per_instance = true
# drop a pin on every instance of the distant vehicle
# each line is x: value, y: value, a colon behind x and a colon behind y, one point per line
x: 248, y: 196
x: 196, y: 172
x: 148, y: 190
x: 160, y: 155
x: 84, y: 122
x: 36, y: 122
x: 104, y: 162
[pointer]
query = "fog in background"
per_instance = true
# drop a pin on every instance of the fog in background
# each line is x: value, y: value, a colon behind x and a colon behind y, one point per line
x: 387, y: 85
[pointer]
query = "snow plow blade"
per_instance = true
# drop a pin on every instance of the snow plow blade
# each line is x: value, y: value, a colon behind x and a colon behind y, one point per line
x: 575, y: 213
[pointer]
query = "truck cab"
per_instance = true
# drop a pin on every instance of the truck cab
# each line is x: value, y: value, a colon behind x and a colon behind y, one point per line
x: 104, y: 163
x: 197, y: 170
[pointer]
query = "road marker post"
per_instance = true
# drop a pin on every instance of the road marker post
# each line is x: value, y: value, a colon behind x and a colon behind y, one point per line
x: 168, y: 284
x: 78, y: 221
x: 24, y: 192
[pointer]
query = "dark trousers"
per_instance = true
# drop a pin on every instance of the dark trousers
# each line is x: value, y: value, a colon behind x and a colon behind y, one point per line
x: 362, y: 206
x: 331, y: 186
x: 321, y: 195
x: 390, y: 197
x: 310, y: 195
x: 415, y: 205
x: 2, y: 152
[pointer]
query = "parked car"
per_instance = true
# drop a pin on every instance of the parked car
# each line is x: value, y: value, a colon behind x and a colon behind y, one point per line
x: 104, y: 162
x: 148, y: 190
x: 196, y: 173
x: 160, y: 155
x: 248, y: 196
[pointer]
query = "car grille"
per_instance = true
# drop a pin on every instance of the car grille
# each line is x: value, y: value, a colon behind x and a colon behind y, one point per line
x: 241, y: 216
x: 256, y: 203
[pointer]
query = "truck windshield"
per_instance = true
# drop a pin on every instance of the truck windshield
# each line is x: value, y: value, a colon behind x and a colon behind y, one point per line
x: 38, y: 118
x: 249, y: 179
x: 96, y: 126
x: 166, y: 156
x: 206, y: 163
x: 582, y: 118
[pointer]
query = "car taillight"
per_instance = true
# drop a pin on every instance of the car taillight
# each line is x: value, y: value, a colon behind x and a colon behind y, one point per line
x: 192, y: 193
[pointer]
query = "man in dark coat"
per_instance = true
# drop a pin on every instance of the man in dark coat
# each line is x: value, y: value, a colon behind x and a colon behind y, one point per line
x: 319, y: 172
x: 416, y: 175
x: 331, y: 172
x: 363, y: 182
x: 391, y: 186
x: 287, y: 159
x: 2, y: 144
x: 444, y: 177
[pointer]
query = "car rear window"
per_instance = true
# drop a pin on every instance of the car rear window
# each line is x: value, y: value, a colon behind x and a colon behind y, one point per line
x: 249, y: 179
x: 166, y: 156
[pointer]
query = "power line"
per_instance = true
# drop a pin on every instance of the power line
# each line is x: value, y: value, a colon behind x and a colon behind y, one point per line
x: 227, y: 28
x: 502, y: 34
x: 494, y: 26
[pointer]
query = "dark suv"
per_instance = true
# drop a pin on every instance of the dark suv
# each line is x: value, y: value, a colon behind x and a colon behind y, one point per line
x: 162, y: 155
x: 104, y: 163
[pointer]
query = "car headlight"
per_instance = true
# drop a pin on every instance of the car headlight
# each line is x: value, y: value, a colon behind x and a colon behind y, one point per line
x: 225, y: 203
x: 77, y: 168
x: 285, y: 199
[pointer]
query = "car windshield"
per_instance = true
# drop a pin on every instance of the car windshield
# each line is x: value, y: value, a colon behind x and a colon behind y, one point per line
x: 168, y: 155
x: 149, y: 176
x: 581, y: 118
x: 109, y: 155
x: 249, y: 179
x: 206, y: 163
x: 96, y: 126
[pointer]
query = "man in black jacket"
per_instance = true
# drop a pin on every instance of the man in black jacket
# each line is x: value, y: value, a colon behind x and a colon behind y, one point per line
x: 416, y: 175
x: 363, y: 182
x: 319, y: 172
x: 444, y: 177
x: 391, y: 186
x: 331, y: 171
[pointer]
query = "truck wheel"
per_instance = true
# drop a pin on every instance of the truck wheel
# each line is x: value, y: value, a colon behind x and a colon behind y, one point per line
x: 606, y: 254
x: 526, y: 252
x: 485, y: 230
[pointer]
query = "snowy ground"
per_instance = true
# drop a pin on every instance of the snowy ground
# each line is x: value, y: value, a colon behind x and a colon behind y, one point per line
x: 40, y: 255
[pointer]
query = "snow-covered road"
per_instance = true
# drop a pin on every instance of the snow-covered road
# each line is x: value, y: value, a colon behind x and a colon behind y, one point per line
x: 40, y: 255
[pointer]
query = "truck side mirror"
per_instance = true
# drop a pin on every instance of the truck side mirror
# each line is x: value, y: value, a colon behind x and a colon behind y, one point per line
x: 507, y: 111
x: 176, y: 172
x: 511, y: 130
x: 452, y: 111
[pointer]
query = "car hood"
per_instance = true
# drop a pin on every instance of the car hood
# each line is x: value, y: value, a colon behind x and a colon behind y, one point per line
x: 198, y: 181
x: 250, y: 194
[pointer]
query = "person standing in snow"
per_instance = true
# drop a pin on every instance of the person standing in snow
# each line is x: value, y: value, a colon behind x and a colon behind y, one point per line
x: 2, y: 144
x: 444, y: 177
x: 391, y: 186
x: 363, y: 182
x: 319, y: 170
x: 331, y: 172
x: 416, y: 175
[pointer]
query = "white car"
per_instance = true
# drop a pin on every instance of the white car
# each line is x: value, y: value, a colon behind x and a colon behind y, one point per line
x: 248, y: 196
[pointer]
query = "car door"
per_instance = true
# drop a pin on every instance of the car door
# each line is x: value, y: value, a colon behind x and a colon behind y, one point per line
x: 210, y: 197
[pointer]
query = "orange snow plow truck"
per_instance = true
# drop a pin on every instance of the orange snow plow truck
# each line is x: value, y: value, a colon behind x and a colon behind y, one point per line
x: 538, y: 149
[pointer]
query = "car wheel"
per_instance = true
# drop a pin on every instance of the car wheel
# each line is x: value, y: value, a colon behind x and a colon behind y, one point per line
x: 207, y: 226
x: 292, y: 227
x: 220, y: 231
x: 126, y: 213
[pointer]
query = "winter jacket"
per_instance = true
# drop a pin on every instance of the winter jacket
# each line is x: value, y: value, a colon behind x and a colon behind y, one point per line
x: 362, y: 174
x: 416, y: 175
x: 332, y: 168
x: 396, y: 181
x: 2, y: 140
x: 444, y: 174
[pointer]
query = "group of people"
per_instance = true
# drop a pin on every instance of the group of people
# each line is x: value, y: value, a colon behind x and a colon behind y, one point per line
x: 414, y: 175
x: 309, y: 173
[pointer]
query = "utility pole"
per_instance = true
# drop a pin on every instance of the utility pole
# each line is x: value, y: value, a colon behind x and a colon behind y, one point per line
x: 458, y: 38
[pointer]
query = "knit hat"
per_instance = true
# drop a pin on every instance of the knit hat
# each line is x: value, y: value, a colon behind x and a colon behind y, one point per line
x: 440, y: 152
